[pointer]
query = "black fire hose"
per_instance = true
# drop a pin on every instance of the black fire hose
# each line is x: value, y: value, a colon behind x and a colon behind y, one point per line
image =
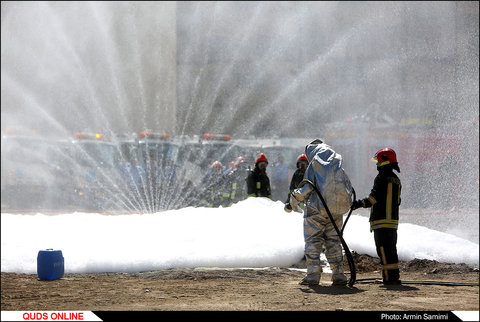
x: 351, y: 264
x: 444, y: 283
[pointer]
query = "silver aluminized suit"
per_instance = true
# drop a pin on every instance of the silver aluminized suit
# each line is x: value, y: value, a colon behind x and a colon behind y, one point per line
x: 326, y: 172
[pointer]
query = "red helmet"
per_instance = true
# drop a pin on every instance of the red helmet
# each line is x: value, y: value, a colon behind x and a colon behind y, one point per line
x: 386, y: 156
x: 302, y: 157
x: 216, y: 164
x: 261, y: 157
x: 238, y: 160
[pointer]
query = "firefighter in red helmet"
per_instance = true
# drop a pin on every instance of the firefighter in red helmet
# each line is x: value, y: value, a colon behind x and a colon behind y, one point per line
x: 384, y: 200
x: 302, y: 164
x: 258, y: 183
x: 236, y: 180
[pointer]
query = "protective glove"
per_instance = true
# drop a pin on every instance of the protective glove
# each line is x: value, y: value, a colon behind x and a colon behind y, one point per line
x: 294, y: 203
x: 357, y: 204
x: 288, y: 207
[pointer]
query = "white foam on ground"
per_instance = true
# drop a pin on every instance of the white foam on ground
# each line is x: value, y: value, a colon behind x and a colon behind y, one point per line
x: 252, y: 233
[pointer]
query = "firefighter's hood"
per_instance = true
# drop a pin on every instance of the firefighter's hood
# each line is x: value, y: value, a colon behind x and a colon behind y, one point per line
x: 321, y: 155
x: 325, y: 171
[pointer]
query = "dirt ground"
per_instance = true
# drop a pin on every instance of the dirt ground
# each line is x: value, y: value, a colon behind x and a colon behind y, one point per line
x: 271, y: 289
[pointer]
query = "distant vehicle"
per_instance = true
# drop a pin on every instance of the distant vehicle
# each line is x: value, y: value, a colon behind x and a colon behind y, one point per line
x: 157, y: 154
x: 158, y: 146
x: 195, y: 156
x: 93, y: 171
x: 127, y: 146
x: 220, y: 147
x: 289, y: 154
x: 127, y: 196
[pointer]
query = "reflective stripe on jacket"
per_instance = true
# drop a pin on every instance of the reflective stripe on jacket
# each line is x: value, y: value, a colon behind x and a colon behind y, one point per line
x: 258, y: 184
x: 385, y: 200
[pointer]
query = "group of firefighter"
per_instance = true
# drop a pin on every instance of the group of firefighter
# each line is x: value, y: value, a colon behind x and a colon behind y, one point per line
x: 226, y: 187
x: 321, y: 166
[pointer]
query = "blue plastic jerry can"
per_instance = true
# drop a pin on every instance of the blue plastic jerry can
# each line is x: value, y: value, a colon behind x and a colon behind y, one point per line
x: 50, y: 264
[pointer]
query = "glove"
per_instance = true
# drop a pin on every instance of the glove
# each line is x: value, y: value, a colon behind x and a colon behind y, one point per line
x: 294, y: 203
x: 356, y: 204
x: 288, y: 207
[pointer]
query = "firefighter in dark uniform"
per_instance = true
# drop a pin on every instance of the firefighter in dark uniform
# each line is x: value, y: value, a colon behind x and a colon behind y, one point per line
x: 235, y: 188
x: 258, y: 183
x: 384, y: 200
x: 302, y: 164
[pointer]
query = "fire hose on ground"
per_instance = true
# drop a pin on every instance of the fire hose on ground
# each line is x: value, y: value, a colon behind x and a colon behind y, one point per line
x: 444, y: 283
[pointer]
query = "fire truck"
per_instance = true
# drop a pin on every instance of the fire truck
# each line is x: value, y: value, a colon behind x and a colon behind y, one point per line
x: 198, y: 153
x: 93, y: 171
x: 157, y: 155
